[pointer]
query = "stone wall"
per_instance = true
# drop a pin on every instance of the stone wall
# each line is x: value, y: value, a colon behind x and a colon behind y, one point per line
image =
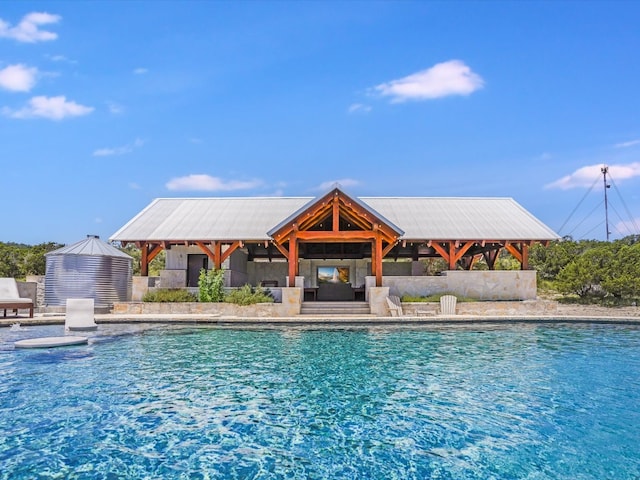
x: 504, y: 309
x: 476, y: 284
x: 289, y: 307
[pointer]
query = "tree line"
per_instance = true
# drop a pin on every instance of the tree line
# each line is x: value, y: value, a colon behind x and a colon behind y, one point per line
x: 589, y: 270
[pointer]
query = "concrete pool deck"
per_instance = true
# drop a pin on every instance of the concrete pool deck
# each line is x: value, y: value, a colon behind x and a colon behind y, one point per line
x: 564, y: 314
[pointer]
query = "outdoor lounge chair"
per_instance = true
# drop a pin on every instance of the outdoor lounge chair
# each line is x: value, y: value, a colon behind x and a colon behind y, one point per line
x: 80, y: 314
x: 395, y: 306
x: 448, y: 304
x: 10, y: 298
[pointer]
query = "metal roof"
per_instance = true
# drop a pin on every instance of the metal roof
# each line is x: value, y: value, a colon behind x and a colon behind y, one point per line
x: 176, y: 219
x: 91, y: 246
x: 209, y: 218
x: 461, y: 218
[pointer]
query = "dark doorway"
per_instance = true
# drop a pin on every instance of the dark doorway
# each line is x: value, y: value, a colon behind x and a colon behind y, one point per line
x: 194, y: 264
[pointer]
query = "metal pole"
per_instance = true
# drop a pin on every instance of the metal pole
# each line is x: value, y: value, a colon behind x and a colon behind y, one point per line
x: 604, y: 171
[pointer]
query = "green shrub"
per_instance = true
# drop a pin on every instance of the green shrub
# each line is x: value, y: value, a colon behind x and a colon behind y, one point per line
x: 434, y: 298
x: 210, y: 285
x: 169, y: 295
x: 248, y: 295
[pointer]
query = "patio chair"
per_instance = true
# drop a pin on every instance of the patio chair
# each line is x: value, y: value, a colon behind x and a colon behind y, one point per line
x: 448, y: 304
x: 10, y: 298
x: 80, y: 314
x: 395, y: 306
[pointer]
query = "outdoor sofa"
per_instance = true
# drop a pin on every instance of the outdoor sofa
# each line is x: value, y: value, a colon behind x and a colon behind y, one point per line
x: 10, y: 298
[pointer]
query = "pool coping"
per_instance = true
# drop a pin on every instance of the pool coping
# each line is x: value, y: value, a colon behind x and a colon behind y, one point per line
x: 209, y: 319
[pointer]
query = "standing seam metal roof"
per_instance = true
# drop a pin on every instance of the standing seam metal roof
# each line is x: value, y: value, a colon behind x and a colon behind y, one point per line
x: 177, y: 219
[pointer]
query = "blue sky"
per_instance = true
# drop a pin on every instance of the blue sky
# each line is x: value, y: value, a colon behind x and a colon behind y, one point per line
x: 107, y: 105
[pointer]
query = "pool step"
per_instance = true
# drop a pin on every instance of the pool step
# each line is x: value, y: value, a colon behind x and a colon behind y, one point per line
x: 335, y: 308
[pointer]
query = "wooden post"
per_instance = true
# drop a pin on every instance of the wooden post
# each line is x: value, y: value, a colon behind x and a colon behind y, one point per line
x: 217, y: 254
x: 452, y: 256
x: 378, y: 260
x: 525, y: 257
x: 293, y: 259
x: 144, y: 260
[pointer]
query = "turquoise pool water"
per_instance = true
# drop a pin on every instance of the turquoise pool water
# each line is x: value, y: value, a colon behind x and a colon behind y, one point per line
x: 160, y: 402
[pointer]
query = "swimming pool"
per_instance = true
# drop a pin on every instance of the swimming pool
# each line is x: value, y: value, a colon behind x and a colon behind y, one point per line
x: 157, y: 401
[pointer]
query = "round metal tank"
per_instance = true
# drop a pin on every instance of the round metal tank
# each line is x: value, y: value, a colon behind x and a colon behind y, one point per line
x: 90, y: 268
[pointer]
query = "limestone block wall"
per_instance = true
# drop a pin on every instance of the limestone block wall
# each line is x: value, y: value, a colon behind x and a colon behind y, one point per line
x: 39, y: 294
x: 289, y: 307
x: 477, y: 284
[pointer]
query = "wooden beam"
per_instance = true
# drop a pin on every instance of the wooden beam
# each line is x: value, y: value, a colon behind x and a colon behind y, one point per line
x: 513, y: 250
x: 378, y: 245
x: 490, y: 257
x: 342, y: 236
x: 524, y: 265
x: 387, y: 249
x: 461, y: 251
x: 217, y: 255
x: 336, y: 215
x: 206, y: 250
x: 282, y: 250
x: 293, y: 260
x: 232, y: 248
x: 374, y: 263
x: 144, y: 260
x: 155, y: 250
x: 440, y: 251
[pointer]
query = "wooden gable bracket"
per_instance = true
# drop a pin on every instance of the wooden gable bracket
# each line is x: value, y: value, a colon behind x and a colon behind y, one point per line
x: 440, y: 250
x: 232, y: 248
x: 462, y: 250
x: 514, y: 250
x: 213, y: 255
x: 490, y: 256
x: 281, y: 249
x: 155, y: 250
x: 388, y: 248
x: 520, y: 252
x: 148, y: 251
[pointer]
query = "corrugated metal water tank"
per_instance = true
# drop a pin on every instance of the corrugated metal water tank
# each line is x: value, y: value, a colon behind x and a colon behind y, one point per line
x: 90, y: 268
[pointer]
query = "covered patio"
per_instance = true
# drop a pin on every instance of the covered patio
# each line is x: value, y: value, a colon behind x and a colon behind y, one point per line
x: 293, y: 242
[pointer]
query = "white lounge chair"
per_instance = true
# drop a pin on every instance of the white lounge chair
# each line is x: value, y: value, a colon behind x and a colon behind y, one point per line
x: 10, y: 297
x: 80, y: 314
x: 448, y: 305
x: 395, y: 306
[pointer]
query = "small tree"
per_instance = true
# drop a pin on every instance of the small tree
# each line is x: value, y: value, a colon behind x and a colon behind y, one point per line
x: 210, y: 285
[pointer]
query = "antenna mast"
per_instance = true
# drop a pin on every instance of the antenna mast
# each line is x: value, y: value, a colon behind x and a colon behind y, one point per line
x: 605, y: 170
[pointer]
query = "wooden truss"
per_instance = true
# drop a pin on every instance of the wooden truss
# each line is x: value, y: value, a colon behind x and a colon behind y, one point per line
x: 336, y: 218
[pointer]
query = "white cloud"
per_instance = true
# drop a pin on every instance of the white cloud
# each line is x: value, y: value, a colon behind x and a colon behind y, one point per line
x: 627, y: 144
x: 140, y: 71
x: 359, y: 108
x: 115, y: 108
x: 28, y: 30
x: 60, y: 58
x: 343, y: 183
x: 211, y: 184
x: 628, y: 227
x: 18, y: 78
x: 134, y: 186
x: 441, y: 80
x: 53, y: 108
x: 107, y: 152
x: 586, y: 176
